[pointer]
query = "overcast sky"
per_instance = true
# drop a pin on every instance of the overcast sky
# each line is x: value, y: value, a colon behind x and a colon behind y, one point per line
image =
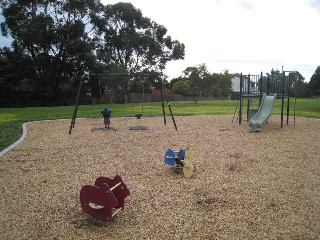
x: 247, y: 36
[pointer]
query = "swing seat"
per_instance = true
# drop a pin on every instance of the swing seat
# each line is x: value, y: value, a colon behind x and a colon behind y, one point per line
x: 138, y: 116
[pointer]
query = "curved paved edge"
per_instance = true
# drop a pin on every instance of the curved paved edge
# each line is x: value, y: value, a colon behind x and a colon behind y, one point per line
x: 24, y: 134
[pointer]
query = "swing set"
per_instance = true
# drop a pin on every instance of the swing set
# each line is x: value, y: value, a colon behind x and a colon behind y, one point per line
x: 164, y: 96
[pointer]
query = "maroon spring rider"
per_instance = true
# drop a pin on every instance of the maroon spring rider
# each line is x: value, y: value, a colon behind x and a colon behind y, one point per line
x: 105, y: 199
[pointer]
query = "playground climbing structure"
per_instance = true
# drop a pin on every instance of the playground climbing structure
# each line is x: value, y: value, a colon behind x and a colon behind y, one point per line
x: 276, y: 85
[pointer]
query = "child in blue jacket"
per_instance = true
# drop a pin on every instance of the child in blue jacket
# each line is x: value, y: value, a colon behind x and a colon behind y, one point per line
x: 106, y: 112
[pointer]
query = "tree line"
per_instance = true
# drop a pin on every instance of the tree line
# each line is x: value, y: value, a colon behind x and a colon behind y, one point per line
x: 56, y: 41
x: 198, y: 81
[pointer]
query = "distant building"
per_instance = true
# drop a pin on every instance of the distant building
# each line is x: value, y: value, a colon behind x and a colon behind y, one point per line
x: 156, y: 92
x: 235, y: 84
x: 235, y: 88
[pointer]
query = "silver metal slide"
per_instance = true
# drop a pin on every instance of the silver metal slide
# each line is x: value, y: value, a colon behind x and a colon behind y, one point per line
x: 263, y: 114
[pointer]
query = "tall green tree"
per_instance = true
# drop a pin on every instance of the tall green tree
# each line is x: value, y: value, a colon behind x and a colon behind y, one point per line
x: 197, y: 77
x: 55, y: 41
x: 129, y: 39
x: 204, y: 83
x: 51, y: 41
x: 174, y: 80
x: 182, y: 87
x: 8, y: 81
x: 225, y: 83
x: 314, y: 83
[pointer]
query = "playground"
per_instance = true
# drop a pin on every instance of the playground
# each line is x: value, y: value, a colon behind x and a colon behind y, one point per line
x: 248, y: 185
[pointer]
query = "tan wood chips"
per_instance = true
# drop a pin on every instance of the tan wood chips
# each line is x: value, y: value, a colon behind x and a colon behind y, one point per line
x: 248, y: 185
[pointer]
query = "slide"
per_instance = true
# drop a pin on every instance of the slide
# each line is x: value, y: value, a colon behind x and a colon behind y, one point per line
x: 263, y: 114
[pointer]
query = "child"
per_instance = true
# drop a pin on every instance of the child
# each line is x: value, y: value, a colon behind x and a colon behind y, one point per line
x: 106, y: 112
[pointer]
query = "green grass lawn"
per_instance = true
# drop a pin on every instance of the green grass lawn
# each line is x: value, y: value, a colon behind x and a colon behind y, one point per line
x: 11, y: 119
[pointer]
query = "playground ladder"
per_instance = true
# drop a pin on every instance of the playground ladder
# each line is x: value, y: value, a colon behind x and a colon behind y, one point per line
x: 237, y: 110
x: 236, y: 114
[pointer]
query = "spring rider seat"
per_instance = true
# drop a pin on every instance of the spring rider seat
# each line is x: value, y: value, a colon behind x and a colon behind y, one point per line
x: 180, y: 160
x: 105, y: 199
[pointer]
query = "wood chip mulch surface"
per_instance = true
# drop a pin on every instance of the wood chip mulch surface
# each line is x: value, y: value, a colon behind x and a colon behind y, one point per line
x: 248, y: 185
